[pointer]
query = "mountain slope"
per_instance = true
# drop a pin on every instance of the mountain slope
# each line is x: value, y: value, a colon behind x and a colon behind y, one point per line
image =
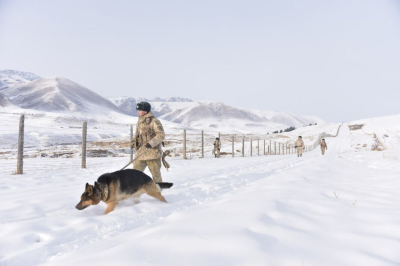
x: 4, y: 101
x: 159, y: 106
x: 56, y: 94
x: 205, y: 114
x: 209, y: 110
x: 9, y: 78
x: 217, y: 116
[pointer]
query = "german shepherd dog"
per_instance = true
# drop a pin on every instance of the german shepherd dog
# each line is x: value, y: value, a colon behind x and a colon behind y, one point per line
x: 120, y: 185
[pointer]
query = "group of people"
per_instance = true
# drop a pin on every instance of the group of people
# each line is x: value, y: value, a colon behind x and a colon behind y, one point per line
x: 149, y: 137
x: 299, y: 145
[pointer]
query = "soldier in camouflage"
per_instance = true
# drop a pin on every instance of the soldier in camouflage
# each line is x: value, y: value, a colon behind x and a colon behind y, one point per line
x: 217, y: 148
x: 324, y: 146
x: 148, y: 138
x: 299, y: 144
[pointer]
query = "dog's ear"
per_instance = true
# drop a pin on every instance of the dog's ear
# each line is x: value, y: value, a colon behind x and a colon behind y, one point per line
x: 90, y: 190
x: 86, y: 186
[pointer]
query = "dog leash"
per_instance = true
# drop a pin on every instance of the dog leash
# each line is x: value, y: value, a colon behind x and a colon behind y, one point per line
x: 135, y: 159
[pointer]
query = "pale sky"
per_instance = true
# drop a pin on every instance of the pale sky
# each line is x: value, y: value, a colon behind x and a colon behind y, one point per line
x: 339, y: 60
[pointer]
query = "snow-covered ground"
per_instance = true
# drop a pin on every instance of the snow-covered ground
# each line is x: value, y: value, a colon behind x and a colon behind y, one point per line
x: 337, y: 209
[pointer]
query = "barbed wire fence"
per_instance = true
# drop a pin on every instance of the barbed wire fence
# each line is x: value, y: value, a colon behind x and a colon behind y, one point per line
x: 85, y: 144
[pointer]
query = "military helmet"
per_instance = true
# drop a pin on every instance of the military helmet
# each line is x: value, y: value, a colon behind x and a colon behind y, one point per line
x: 143, y: 106
x: 300, y: 137
x: 217, y: 138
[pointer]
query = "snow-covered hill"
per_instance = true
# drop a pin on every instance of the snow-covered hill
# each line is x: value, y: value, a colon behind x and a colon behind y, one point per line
x: 225, y: 118
x: 56, y: 94
x: 217, y: 116
x: 28, y: 91
x: 336, y: 209
x: 4, y: 101
x: 160, y: 106
x: 9, y: 78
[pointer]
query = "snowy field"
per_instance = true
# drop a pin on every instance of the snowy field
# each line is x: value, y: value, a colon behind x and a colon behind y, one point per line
x: 337, y: 209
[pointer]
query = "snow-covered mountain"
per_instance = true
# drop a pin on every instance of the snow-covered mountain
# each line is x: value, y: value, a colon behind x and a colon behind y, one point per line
x: 160, y: 106
x: 60, y: 95
x: 222, y: 117
x: 217, y: 116
x: 9, y: 78
x: 4, y: 101
x: 56, y: 94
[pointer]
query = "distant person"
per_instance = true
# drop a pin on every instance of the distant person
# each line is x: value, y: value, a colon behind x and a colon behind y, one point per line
x: 299, y: 144
x: 147, y: 141
x: 217, y: 148
x: 323, y: 146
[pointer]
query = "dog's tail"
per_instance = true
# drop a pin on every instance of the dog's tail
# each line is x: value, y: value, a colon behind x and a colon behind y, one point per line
x: 165, y: 185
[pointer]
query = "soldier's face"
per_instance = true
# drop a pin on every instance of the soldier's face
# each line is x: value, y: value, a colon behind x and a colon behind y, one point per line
x: 141, y: 113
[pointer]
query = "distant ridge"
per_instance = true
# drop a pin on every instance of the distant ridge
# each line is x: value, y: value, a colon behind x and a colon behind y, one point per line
x: 10, y: 78
x: 57, y: 94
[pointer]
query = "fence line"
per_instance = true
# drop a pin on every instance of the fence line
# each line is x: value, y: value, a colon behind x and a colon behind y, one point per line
x: 273, y: 148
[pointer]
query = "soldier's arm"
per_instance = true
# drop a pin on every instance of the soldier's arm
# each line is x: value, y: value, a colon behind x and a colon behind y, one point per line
x: 135, y: 140
x: 160, y: 135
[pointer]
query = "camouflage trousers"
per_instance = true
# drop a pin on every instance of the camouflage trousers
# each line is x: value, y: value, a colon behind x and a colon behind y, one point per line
x: 154, y: 167
x: 217, y: 153
x: 299, y: 151
x: 323, y: 151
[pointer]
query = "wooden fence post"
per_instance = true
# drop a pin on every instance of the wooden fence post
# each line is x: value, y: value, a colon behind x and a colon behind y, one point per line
x: 251, y: 147
x: 279, y: 148
x: 184, y: 144
x: 264, y: 146
x: 233, y: 145
x: 258, y: 147
x: 269, y: 152
x: 202, y: 144
x: 84, y: 135
x: 243, y: 147
x: 275, y: 147
x: 131, y: 142
x: 20, y: 161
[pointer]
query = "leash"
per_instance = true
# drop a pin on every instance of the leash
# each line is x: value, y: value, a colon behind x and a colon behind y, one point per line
x: 165, y: 163
x: 135, y: 159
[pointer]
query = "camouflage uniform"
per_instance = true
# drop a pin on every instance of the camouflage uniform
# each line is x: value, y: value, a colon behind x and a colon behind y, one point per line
x: 323, y: 147
x: 149, y: 130
x: 217, y: 148
x: 300, y: 145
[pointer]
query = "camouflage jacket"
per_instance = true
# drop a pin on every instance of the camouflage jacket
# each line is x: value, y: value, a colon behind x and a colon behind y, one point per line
x: 323, y: 145
x: 299, y: 143
x: 217, y: 144
x: 148, y: 130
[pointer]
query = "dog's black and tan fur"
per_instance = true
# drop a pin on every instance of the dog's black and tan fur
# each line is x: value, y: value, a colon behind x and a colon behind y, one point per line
x: 120, y: 185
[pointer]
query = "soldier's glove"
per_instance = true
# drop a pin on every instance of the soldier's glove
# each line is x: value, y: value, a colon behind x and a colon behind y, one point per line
x: 148, y: 146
